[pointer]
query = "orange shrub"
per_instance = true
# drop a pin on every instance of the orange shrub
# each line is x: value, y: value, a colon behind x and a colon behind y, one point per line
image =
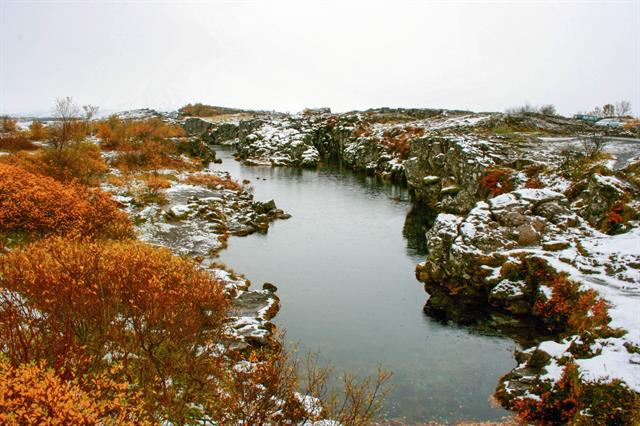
x: 16, y: 143
x: 557, y: 406
x: 35, y: 394
x: 212, y: 181
x: 79, y: 161
x: 570, y: 308
x: 362, y: 130
x: 575, y: 401
x: 39, y: 205
x: 156, y: 182
x: 534, y: 183
x: 398, y: 139
x: 497, y: 181
x: 81, y: 305
x: 9, y: 124
x: 126, y: 135
x: 37, y: 131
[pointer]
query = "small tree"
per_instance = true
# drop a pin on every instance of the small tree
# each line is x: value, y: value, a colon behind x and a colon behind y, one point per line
x: 608, y: 110
x: 67, y: 113
x: 622, y: 108
x: 548, y: 109
x: 8, y: 124
x: 597, y: 111
x: 524, y: 109
x: 37, y: 130
x: 90, y: 111
x: 593, y: 145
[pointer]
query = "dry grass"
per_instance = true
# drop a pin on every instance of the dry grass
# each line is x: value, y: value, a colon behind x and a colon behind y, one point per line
x: 212, y: 181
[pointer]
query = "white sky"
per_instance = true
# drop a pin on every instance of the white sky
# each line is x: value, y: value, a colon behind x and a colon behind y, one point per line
x: 345, y: 55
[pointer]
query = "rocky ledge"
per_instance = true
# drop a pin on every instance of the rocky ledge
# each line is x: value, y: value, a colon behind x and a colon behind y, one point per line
x: 563, y: 254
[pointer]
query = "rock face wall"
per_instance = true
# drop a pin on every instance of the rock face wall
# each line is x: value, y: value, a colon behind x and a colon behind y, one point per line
x: 444, y: 172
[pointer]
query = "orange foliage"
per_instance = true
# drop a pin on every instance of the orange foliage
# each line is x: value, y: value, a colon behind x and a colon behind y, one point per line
x: 80, y: 305
x: 34, y: 394
x: 614, y: 219
x: 127, y: 135
x: 145, y: 143
x: 554, y: 407
x: 156, y: 182
x: 9, y: 124
x: 497, y: 181
x: 16, y: 143
x: 398, y: 139
x: 534, y: 183
x: 79, y: 161
x: 212, y: 181
x: 39, y: 205
x: 37, y: 131
x: 362, y: 130
x: 571, y: 308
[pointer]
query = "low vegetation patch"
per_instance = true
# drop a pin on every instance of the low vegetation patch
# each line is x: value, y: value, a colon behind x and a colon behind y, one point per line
x: 398, y: 139
x: 38, y: 205
x: 497, y: 181
x: 15, y: 143
x: 212, y: 181
x: 34, y: 393
x: 574, y: 401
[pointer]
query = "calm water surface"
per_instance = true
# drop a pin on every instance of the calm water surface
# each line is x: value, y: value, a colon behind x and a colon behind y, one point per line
x: 345, y: 276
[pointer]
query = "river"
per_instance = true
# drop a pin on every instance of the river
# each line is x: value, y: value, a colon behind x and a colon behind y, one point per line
x: 345, y: 277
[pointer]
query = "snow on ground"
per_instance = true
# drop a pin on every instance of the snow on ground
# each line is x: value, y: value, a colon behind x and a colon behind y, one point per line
x: 612, y: 268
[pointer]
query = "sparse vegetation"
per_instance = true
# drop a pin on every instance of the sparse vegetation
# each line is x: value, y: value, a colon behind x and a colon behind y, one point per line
x: 593, y: 145
x: 213, y: 181
x: 527, y: 108
x: 9, y: 125
x: 497, y: 181
x: 67, y: 127
x: 572, y: 401
x: 203, y: 110
x: 398, y: 140
x: 37, y: 131
x: 15, y: 143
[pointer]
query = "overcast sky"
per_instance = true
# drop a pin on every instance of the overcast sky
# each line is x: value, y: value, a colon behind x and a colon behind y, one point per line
x: 345, y: 55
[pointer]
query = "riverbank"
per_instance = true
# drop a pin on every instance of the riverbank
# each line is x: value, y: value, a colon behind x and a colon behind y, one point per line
x: 531, y: 222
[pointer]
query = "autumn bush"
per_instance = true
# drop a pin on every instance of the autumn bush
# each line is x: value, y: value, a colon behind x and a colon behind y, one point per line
x: 571, y: 308
x: 37, y: 131
x: 38, y: 205
x: 398, y: 139
x: 16, y: 143
x: 363, y: 129
x: 497, y: 181
x: 574, y: 401
x: 33, y: 393
x: 212, y: 181
x: 127, y: 135
x: 150, y: 155
x: 79, y: 161
x: 534, y: 183
x: 81, y: 305
x: 9, y: 124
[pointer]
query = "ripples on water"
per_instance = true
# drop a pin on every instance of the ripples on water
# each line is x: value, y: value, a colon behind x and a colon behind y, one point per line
x: 345, y: 273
